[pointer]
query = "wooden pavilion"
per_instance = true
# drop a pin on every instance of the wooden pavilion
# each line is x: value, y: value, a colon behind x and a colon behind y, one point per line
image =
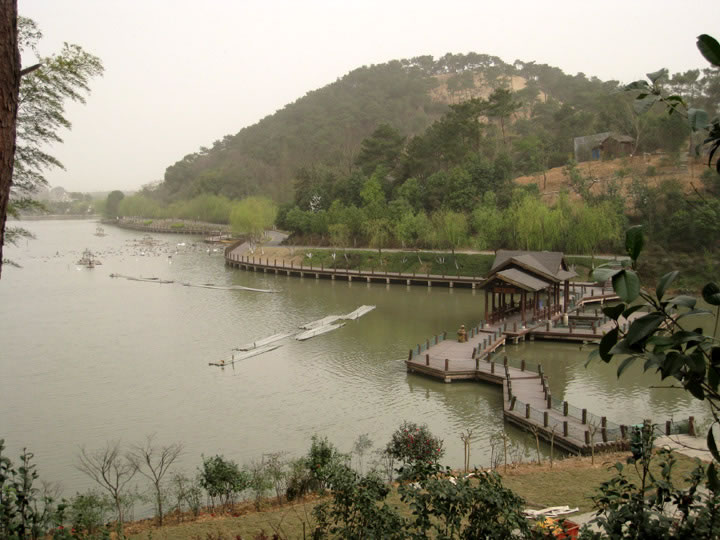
x: 528, y: 283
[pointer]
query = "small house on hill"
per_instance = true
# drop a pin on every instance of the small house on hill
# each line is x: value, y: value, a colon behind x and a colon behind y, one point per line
x: 607, y: 145
x: 531, y: 283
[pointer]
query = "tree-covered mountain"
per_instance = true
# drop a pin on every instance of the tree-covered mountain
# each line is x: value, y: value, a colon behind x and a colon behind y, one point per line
x: 325, y: 128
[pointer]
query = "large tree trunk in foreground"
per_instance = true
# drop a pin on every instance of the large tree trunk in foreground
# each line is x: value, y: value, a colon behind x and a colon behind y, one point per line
x: 9, y: 88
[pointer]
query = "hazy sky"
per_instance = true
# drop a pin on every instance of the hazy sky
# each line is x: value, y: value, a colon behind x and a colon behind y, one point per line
x: 182, y: 74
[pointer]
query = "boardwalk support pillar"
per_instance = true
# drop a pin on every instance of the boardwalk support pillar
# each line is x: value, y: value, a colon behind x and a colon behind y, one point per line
x: 546, y: 419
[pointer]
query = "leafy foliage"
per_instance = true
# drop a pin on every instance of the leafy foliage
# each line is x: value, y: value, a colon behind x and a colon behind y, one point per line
x: 223, y: 480
x: 415, y: 447
x: 660, y: 337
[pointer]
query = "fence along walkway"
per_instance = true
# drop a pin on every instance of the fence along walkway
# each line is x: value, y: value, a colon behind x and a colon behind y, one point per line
x: 280, y: 266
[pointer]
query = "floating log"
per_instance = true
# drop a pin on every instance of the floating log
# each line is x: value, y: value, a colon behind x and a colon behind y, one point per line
x: 321, y: 322
x: 318, y: 331
x: 245, y: 356
x: 359, y: 312
x: 262, y: 342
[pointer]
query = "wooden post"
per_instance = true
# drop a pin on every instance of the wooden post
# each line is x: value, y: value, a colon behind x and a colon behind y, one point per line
x: 512, y: 403
x: 527, y: 410
x: 522, y: 365
x: 427, y: 343
x: 691, y: 426
x: 584, y: 416
x: 477, y: 363
x: 410, y: 355
x: 565, y: 408
x: 427, y: 359
x: 623, y: 431
x: 492, y: 368
x: 474, y: 352
x: 587, y: 437
x: 546, y: 419
x: 668, y: 427
x: 549, y: 400
x: 603, y: 431
x: 565, y: 428
x: 505, y: 360
x: 447, y: 364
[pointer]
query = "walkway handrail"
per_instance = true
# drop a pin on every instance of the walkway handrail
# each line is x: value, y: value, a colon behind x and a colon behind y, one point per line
x: 267, y: 263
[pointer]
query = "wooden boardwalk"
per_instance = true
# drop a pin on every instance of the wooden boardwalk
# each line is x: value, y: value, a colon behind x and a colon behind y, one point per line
x: 527, y: 401
x: 281, y: 267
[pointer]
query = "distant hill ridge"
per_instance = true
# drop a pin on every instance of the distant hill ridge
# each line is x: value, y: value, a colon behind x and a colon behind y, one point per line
x: 325, y: 128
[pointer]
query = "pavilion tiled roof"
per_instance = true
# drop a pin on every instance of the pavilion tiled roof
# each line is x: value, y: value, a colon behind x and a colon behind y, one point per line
x: 546, y: 263
x: 521, y: 279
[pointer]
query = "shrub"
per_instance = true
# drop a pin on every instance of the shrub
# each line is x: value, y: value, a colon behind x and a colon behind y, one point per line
x: 222, y: 480
x: 415, y: 446
x: 322, y: 461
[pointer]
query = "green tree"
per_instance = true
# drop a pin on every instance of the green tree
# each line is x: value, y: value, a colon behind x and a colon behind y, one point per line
x: 451, y: 228
x: 113, y: 202
x: 382, y: 148
x: 253, y: 216
x: 33, y: 109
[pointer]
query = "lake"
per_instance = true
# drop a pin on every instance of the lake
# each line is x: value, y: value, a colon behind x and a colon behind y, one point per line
x: 87, y: 358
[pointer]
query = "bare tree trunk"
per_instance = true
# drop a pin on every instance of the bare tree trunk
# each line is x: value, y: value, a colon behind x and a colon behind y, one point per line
x: 9, y: 88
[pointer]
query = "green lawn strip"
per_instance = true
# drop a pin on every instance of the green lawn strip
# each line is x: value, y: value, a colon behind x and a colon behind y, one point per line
x: 575, y: 486
x: 572, y: 486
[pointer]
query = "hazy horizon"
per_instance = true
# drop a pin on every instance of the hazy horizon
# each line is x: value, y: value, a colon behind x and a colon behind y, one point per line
x: 180, y: 75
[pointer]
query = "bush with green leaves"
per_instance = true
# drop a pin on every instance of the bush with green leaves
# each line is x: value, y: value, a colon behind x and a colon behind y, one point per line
x: 24, y: 511
x: 187, y: 492
x: 322, y: 460
x: 86, y: 514
x: 443, y: 506
x: 655, y: 507
x: 358, y: 508
x: 415, y: 447
x: 661, y: 337
x: 223, y: 480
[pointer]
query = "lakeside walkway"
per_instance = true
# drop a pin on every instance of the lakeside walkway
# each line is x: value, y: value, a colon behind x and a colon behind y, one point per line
x: 527, y: 400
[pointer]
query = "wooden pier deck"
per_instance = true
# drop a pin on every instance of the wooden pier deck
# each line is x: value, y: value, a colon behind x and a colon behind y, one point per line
x: 527, y: 401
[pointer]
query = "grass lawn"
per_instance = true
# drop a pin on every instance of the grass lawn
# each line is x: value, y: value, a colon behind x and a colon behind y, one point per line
x: 570, y: 482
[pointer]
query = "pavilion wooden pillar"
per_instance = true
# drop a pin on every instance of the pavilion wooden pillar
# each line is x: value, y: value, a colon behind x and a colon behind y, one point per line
x: 487, y: 313
x: 522, y: 306
x: 565, y: 295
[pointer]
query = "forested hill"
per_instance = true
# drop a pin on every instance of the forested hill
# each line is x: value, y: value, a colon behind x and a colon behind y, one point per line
x: 325, y: 129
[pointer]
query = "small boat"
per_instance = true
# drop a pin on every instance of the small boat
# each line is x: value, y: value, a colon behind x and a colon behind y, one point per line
x: 249, y: 354
x: 318, y: 331
x: 88, y: 260
x: 262, y: 342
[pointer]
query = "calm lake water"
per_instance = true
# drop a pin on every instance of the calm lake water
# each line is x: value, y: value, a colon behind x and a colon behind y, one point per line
x: 86, y: 358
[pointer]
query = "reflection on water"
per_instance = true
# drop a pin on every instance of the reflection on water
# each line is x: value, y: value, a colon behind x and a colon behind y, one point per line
x: 86, y: 358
